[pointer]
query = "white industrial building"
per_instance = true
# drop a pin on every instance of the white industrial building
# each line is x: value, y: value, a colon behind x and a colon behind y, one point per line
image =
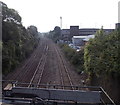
x: 80, y: 40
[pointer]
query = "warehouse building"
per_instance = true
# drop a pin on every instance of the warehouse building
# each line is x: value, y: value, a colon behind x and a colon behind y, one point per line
x: 67, y: 34
x: 81, y: 40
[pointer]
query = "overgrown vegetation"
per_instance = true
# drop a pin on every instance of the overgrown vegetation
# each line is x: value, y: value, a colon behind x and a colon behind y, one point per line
x: 102, y: 54
x: 102, y: 62
x: 17, y: 41
x: 76, y: 58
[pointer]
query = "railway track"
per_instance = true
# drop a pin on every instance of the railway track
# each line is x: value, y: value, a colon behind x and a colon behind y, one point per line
x: 32, y: 64
x: 65, y: 70
x: 29, y: 66
x: 65, y: 78
x: 45, y: 66
x: 37, y: 76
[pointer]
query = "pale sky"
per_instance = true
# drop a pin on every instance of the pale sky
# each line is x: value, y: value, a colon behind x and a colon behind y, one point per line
x: 45, y: 14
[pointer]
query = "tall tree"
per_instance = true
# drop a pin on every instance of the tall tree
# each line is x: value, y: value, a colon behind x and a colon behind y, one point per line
x: 101, y: 53
x: 57, y: 33
x: 17, y: 42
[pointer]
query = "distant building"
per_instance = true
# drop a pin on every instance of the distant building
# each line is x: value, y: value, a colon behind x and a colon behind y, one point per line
x: 81, y: 40
x: 78, y: 40
x: 67, y: 34
x: 87, y: 31
x: 74, y: 30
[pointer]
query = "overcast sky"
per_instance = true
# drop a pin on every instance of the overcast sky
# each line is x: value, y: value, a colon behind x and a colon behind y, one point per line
x: 45, y: 14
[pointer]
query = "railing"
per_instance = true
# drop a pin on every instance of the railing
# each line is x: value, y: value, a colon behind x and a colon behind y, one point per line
x: 105, y: 98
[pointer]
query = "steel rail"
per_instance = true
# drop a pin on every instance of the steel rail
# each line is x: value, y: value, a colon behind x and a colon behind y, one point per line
x: 60, y: 71
x: 30, y: 62
x: 43, y: 67
x: 66, y: 70
x: 25, y: 67
x: 35, y: 72
x: 39, y: 66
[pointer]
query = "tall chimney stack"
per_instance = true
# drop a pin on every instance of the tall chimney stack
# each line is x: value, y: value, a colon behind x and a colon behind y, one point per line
x: 61, y: 22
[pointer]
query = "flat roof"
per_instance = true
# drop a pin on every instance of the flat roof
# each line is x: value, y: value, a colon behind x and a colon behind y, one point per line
x: 79, y: 36
x: 85, y: 38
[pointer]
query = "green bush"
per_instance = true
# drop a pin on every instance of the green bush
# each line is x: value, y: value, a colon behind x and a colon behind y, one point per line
x: 101, y: 54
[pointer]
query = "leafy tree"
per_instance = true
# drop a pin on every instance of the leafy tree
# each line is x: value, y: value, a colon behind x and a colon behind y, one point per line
x: 10, y: 14
x: 33, y: 30
x: 55, y: 34
x: 17, y: 42
x: 101, y: 54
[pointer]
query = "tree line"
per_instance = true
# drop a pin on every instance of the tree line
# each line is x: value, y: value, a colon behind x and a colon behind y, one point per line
x: 17, y: 41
